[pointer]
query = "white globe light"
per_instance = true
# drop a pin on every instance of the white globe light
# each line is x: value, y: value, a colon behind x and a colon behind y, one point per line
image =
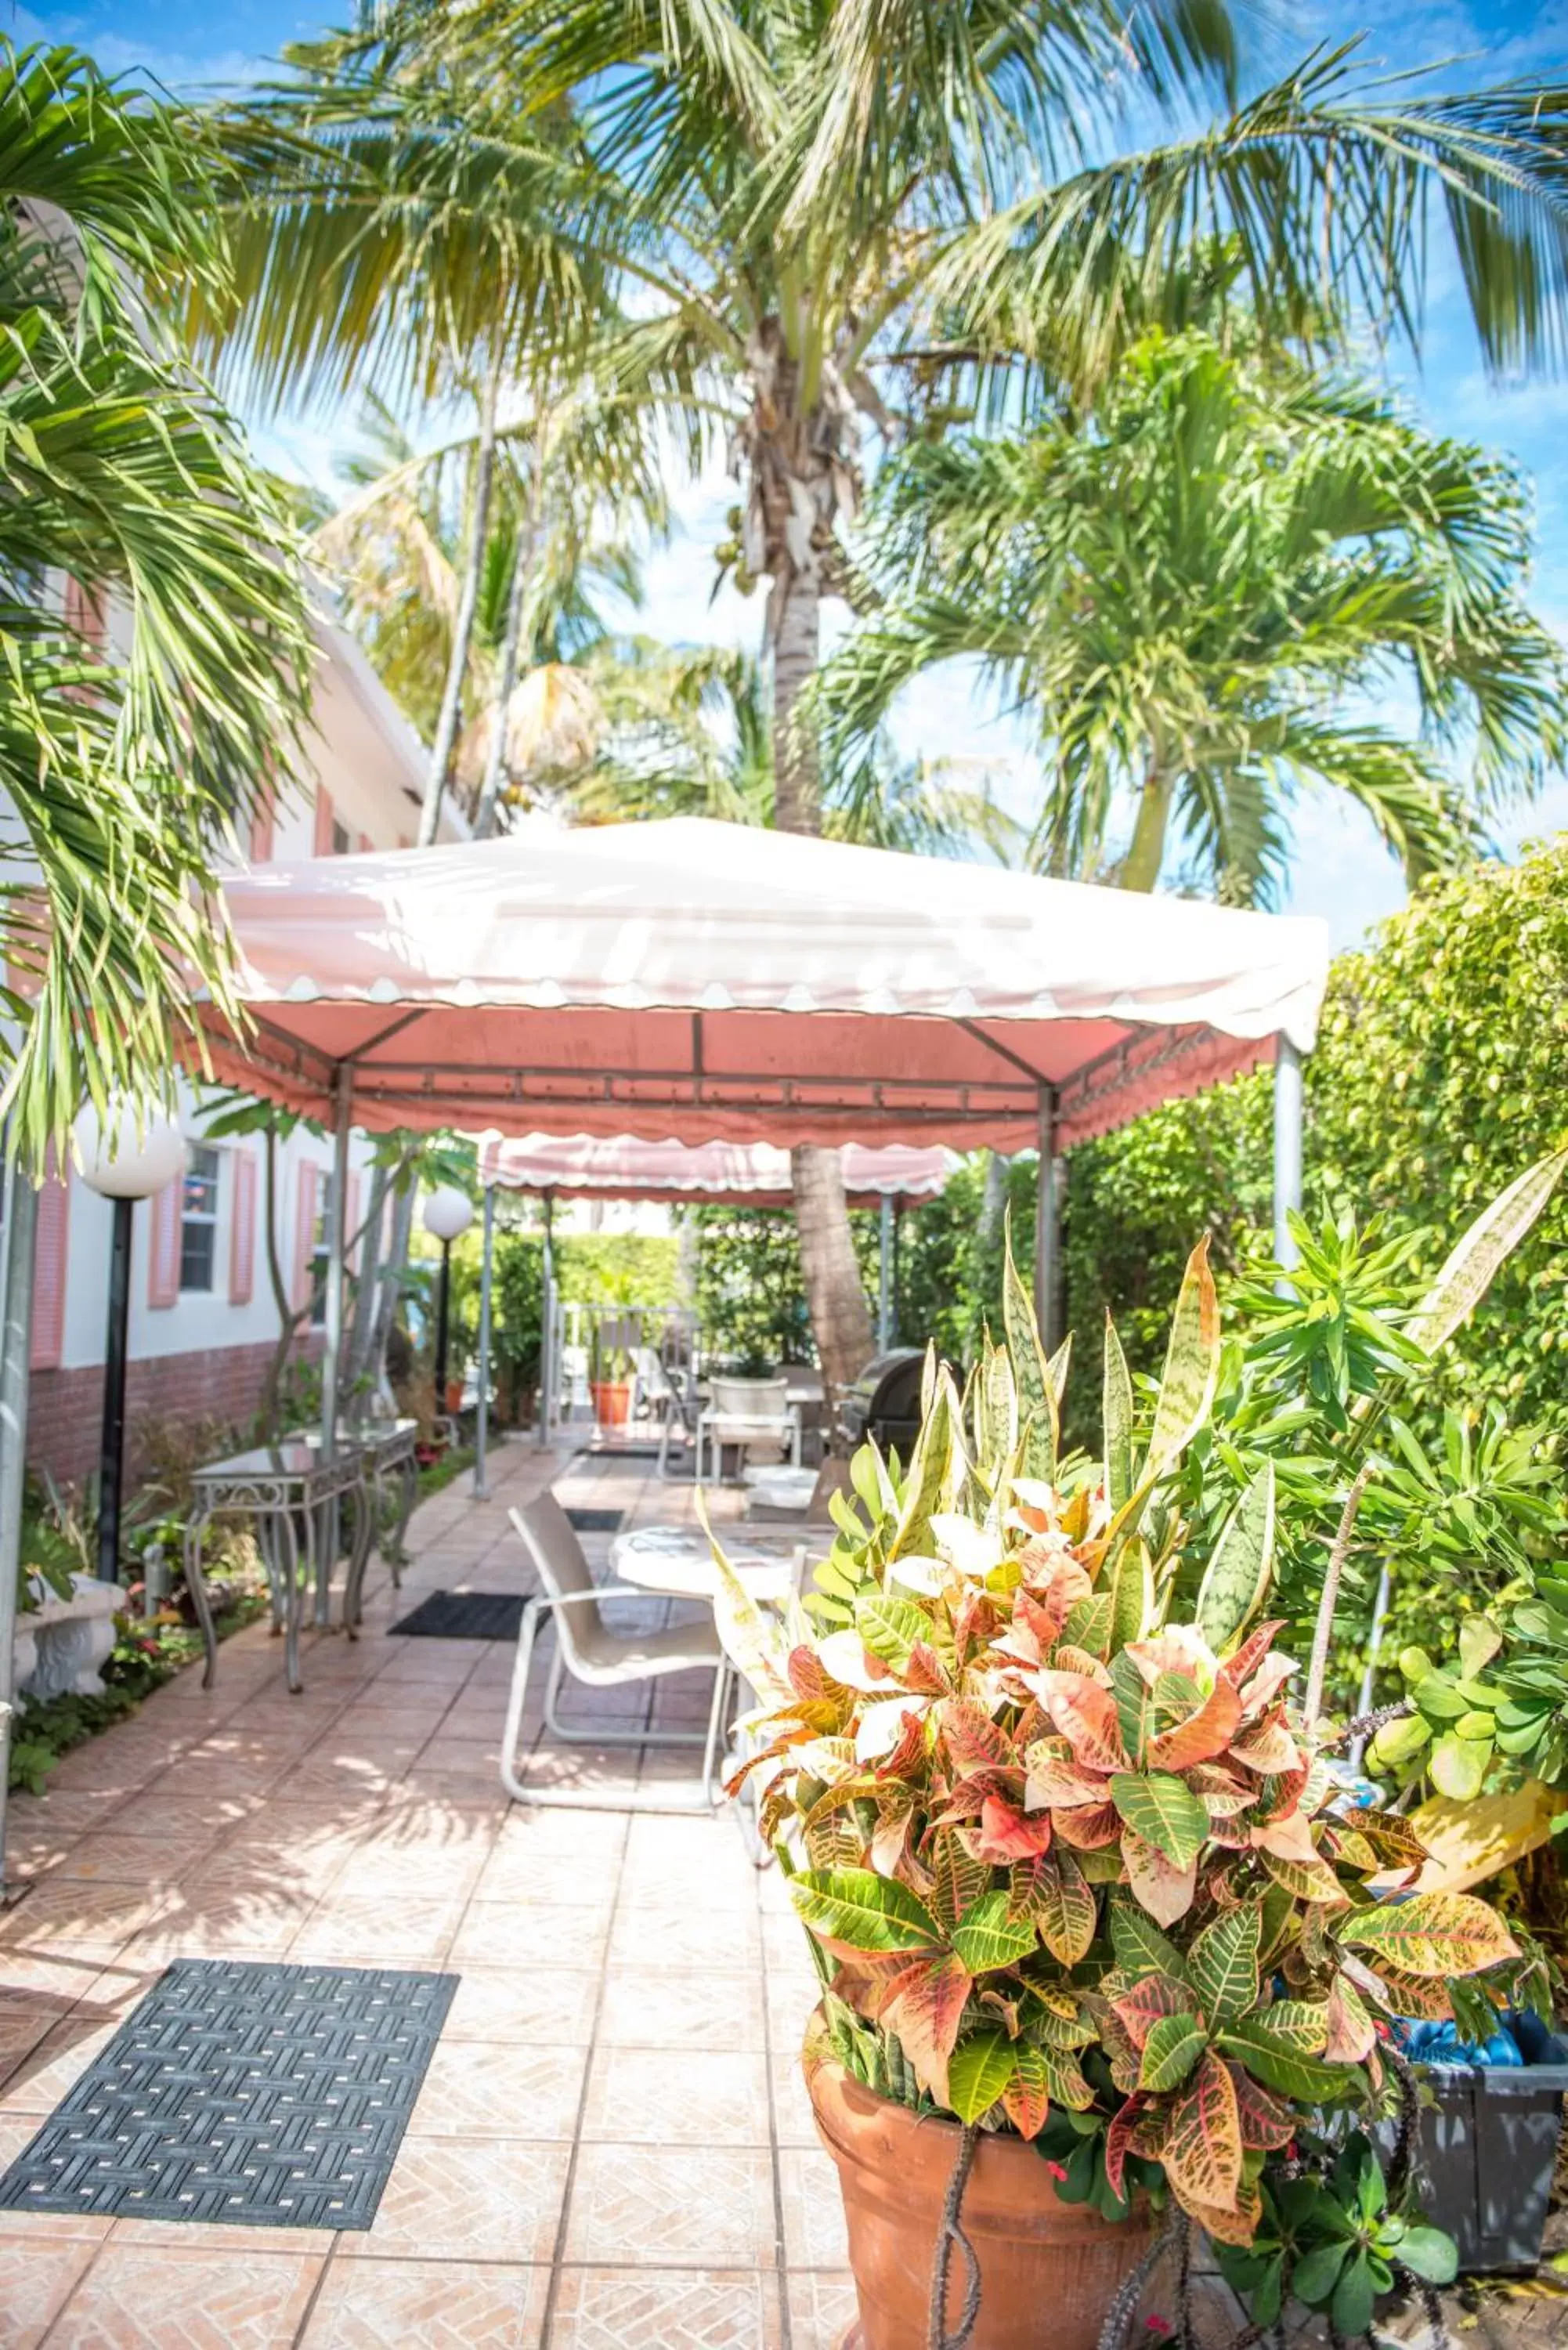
x: 129, y: 1155
x: 447, y: 1212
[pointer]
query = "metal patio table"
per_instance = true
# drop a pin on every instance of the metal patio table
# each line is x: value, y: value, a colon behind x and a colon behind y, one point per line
x: 387, y: 1449
x: 676, y: 1561
x: 281, y: 1487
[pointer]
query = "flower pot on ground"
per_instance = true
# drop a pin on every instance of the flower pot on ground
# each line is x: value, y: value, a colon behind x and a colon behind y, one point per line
x: 612, y: 1402
x: 1066, y: 1843
x: 453, y: 1396
x: 1036, y: 2252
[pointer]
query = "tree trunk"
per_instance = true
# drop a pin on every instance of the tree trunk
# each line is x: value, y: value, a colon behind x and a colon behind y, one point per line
x: 392, y: 1267
x: 840, y: 1313
x: 495, y: 759
x: 463, y: 627
x: 1140, y: 867
x: 368, y: 1286
x: 270, y: 1405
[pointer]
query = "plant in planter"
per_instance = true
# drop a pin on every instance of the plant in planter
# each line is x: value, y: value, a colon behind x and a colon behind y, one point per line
x: 1074, y: 1871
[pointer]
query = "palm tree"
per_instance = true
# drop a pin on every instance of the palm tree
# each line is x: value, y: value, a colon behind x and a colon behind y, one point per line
x: 1200, y: 591
x: 851, y: 219
x: 125, y: 489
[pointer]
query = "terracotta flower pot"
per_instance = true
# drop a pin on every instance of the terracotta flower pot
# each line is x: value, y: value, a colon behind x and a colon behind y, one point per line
x: 612, y: 1402
x: 454, y: 1396
x: 1049, y: 2270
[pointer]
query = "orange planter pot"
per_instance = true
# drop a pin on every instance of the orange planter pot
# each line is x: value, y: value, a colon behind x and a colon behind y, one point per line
x: 612, y: 1402
x: 1049, y: 2270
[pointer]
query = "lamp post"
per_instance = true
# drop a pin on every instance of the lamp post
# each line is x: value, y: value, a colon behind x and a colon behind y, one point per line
x: 446, y: 1215
x: 125, y: 1158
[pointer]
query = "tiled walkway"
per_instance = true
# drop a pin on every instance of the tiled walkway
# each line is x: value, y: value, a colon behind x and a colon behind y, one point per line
x: 612, y: 2151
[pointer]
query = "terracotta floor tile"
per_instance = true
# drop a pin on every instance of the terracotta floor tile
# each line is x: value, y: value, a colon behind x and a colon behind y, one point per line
x: 685, y: 1937
x: 72, y: 1910
x: 237, y: 1922
x: 656, y: 2097
x: 468, y: 2199
x: 378, y: 2304
x: 400, y: 1932
x: 822, y: 2308
x: 602, y: 2309
x: 18, y: 2130
x: 552, y: 2008
x: 792, y: 2122
x: 36, y: 2272
x: 183, y: 2297
x: 813, y: 2210
x: 53, y: 2066
x: 474, y: 2091
x: 671, y: 2206
x: 720, y: 2012
x: 108, y: 1857
x: 531, y: 1934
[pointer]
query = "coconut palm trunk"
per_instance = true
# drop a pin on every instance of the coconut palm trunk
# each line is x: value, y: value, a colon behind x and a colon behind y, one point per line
x: 463, y: 627
x: 840, y: 1314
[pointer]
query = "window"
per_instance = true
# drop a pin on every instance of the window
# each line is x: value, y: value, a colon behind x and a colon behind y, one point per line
x: 199, y: 1219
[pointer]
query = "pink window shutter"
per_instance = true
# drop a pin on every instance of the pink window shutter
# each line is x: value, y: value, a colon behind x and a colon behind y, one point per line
x: 48, y: 1339
x: 243, y: 1231
x: 304, y: 1235
x: 325, y: 819
x: 163, y: 1254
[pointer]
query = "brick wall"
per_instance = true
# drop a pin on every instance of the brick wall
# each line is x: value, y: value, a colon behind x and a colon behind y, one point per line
x: 65, y: 1408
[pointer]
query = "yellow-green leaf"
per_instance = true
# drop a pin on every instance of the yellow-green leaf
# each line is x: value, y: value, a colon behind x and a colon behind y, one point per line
x: 859, y: 1910
x: 986, y: 1937
x: 1172, y: 2049
x: 1118, y: 1420
x: 1191, y: 1366
x: 1490, y: 1239
x: 1223, y: 1964
x: 978, y: 2070
x: 1432, y: 1934
x: 1164, y: 1810
x: 1242, y: 1566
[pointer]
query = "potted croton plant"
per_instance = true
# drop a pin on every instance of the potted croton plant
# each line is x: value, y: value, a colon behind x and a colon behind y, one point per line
x: 1103, y: 1957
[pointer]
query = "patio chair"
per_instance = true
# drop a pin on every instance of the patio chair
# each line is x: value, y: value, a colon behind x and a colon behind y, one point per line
x: 747, y: 1412
x: 587, y: 1649
x: 662, y: 1394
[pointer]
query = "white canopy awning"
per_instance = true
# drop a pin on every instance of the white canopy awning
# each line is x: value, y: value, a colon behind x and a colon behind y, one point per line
x: 737, y: 1174
x: 713, y: 983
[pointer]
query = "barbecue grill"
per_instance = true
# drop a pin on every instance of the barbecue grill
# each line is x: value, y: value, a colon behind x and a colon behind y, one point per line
x: 884, y: 1402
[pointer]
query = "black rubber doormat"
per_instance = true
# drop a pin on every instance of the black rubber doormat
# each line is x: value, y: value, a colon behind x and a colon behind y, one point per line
x: 273, y: 2097
x: 464, y: 1616
x: 594, y: 1522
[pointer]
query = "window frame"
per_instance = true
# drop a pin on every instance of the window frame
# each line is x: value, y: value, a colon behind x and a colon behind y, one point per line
x: 200, y: 1220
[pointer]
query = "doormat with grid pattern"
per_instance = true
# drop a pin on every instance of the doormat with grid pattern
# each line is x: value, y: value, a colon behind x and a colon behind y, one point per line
x: 274, y: 2096
x: 594, y: 1522
x: 464, y: 1616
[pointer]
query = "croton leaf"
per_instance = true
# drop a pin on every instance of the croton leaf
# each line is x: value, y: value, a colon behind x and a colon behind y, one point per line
x: 1088, y: 1827
x: 1351, y: 2035
x: 1140, y: 1947
x: 1086, y: 1714
x: 1118, y: 2141
x: 1153, y: 1999
x: 891, y: 1629
x: 1006, y: 1835
x: 1237, y: 1578
x: 1266, y: 2123
x: 1306, y: 1881
x: 1274, y: 2060
x: 856, y: 1910
x: 1165, y: 1891
x: 1202, y: 2150
x: 1203, y: 1735
x: 978, y: 2070
x: 1433, y: 1934
x: 1223, y: 1964
x: 1061, y: 1907
x: 975, y: 1742
x: 1172, y: 2049
x: 924, y: 2005
x: 1164, y: 1812
x: 1026, y: 2099
x: 1191, y: 1366
x: 986, y: 1937
x: 1067, y: 2085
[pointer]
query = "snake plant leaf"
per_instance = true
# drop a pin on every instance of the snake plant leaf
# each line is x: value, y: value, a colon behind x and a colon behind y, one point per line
x: 1490, y: 1239
x: 936, y: 1469
x: 1191, y: 1368
x: 1118, y: 1421
x: 1237, y: 1578
x: 1036, y: 1388
x: 750, y: 1638
x: 1131, y: 1594
x: 856, y: 1910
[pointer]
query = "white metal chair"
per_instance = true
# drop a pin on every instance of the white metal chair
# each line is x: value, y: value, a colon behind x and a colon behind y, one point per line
x: 654, y: 1388
x: 747, y: 1412
x: 587, y: 1649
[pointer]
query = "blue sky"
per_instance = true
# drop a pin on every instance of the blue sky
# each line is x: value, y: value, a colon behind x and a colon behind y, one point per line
x: 1340, y: 870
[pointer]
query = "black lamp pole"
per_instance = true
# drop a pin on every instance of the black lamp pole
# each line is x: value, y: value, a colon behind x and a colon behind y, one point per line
x: 111, y: 1447
x: 442, y: 1295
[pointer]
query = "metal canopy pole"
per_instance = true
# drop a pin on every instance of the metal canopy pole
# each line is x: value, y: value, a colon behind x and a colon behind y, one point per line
x: 1288, y: 1100
x: 337, y: 1239
x: 1047, y: 1222
x: 482, y: 1421
x: 545, y: 1408
x: 21, y: 1213
x: 884, y: 1278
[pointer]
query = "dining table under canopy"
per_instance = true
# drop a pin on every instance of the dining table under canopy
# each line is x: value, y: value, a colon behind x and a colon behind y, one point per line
x: 710, y: 983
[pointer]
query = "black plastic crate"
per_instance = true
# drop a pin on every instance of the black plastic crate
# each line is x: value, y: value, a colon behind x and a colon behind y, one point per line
x: 1486, y: 2146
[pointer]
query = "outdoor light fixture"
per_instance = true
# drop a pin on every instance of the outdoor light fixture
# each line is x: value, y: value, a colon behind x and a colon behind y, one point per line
x: 126, y: 1156
x: 446, y: 1215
